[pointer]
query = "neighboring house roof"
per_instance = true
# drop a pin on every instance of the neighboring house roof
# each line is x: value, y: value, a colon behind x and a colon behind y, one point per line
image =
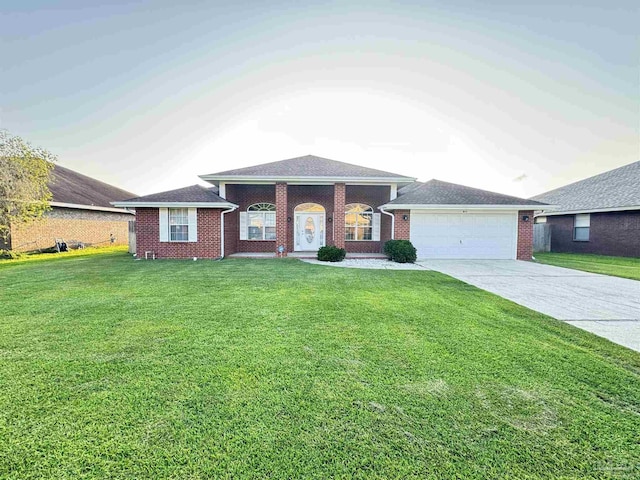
x: 615, y: 190
x: 73, y: 190
x: 439, y: 194
x: 308, y: 167
x: 194, y: 196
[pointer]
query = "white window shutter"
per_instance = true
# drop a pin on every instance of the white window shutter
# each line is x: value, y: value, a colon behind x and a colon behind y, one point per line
x: 376, y: 227
x: 193, y: 224
x: 163, y: 222
x: 243, y: 225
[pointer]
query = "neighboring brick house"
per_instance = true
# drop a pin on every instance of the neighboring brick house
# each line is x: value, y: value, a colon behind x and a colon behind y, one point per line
x: 599, y: 215
x: 301, y: 204
x: 80, y: 212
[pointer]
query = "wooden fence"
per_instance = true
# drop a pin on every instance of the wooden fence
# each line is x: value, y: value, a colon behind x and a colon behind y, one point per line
x: 542, y: 237
x: 132, y: 236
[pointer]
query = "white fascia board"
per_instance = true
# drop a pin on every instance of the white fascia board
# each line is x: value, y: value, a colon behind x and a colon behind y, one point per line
x: 174, y: 204
x: 250, y: 179
x: 408, y: 206
x: 89, y: 207
x: 546, y: 213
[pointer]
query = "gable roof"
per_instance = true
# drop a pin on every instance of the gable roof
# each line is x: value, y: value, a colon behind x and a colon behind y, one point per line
x: 195, y: 195
x: 72, y: 189
x: 308, y: 167
x: 617, y: 189
x: 436, y: 193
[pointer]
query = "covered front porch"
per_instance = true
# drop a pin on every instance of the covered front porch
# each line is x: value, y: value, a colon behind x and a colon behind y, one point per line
x: 298, y: 219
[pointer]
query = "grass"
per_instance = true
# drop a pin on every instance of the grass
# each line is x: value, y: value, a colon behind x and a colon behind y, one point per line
x: 114, y: 368
x: 81, y: 252
x: 624, y: 267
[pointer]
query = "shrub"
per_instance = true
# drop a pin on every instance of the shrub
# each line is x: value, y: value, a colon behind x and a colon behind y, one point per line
x: 388, y: 248
x: 400, y: 251
x: 10, y: 254
x: 331, y: 253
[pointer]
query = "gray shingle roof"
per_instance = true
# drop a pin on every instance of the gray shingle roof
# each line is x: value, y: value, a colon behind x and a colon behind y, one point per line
x: 409, y: 188
x: 437, y: 192
x: 68, y: 186
x: 616, y: 188
x: 192, y: 194
x: 308, y: 166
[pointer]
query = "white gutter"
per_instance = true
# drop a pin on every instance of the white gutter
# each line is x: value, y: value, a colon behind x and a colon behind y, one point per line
x: 416, y: 206
x: 393, y: 221
x: 302, y: 180
x: 175, y: 204
x: 222, y: 229
x: 89, y: 207
x: 586, y: 210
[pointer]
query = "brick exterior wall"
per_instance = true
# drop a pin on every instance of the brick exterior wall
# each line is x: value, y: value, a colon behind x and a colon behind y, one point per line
x: 320, y: 194
x: 72, y: 225
x: 610, y: 233
x: 148, y: 236
x: 374, y: 196
x: 339, y: 201
x: 525, y: 236
x: 281, y: 217
x: 402, y: 227
x: 244, y: 196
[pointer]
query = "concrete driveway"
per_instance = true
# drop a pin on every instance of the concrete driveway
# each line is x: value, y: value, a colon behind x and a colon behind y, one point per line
x: 604, y: 305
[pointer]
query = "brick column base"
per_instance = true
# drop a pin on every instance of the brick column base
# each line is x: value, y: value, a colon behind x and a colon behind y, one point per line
x: 525, y: 235
x: 339, y: 198
x: 401, y: 226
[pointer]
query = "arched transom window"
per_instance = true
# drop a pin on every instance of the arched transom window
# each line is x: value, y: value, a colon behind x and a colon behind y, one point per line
x: 309, y: 207
x: 358, y: 221
x: 261, y: 221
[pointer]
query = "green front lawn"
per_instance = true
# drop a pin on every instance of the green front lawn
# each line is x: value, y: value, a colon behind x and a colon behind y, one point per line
x: 624, y: 267
x: 114, y: 368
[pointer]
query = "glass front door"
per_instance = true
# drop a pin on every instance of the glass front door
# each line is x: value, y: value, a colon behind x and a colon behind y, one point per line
x: 309, y: 231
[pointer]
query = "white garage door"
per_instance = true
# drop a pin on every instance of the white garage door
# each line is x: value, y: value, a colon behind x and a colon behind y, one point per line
x: 464, y: 235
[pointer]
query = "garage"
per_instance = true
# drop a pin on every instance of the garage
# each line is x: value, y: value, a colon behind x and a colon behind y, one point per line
x: 470, y: 235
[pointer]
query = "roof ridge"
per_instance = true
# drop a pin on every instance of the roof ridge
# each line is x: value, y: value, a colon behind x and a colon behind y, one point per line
x: 439, y: 192
x: 305, y: 166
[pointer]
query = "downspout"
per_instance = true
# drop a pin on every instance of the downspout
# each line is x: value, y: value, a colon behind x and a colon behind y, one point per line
x: 393, y: 222
x: 222, y: 229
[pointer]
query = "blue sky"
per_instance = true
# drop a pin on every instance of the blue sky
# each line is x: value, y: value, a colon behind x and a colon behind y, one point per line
x: 147, y: 95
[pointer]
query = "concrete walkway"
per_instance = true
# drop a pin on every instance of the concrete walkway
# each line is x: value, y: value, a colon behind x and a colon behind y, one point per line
x: 606, y: 306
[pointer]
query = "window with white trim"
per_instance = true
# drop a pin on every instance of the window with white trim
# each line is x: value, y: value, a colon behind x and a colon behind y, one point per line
x: 179, y: 224
x: 358, y: 222
x: 581, y: 225
x: 261, y: 221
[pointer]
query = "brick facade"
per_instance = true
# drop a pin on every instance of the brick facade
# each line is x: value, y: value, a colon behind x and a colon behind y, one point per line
x: 610, y: 233
x: 148, y: 236
x: 402, y: 227
x: 320, y: 194
x: 374, y: 196
x: 244, y: 196
x: 91, y: 227
x: 332, y: 199
x: 525, y: 235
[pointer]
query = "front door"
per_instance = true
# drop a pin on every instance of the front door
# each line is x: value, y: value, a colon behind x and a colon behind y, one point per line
x: 309, y: 231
